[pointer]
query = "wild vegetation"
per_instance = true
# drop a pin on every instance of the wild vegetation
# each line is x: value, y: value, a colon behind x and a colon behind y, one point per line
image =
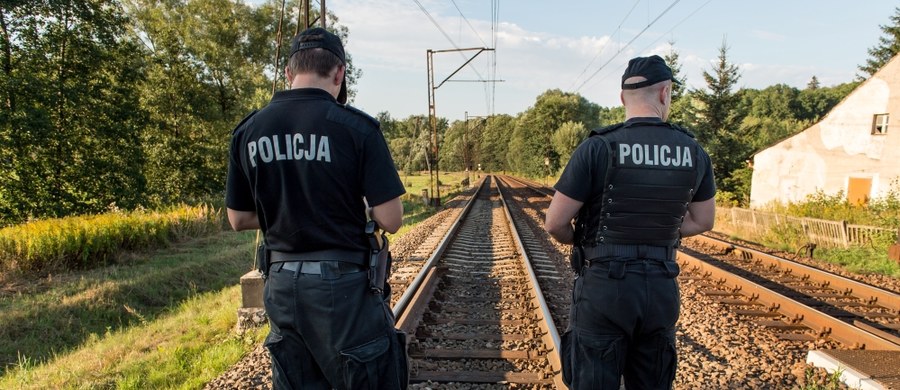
x: 156, y: 318
x: 134, y: 105
x: 90, y: 241
x: 129, y: 105
x: 159, y: 319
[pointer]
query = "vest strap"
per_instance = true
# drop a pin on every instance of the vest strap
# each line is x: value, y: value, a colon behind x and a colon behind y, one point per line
x: 627, y: 250
x: 350, y: 256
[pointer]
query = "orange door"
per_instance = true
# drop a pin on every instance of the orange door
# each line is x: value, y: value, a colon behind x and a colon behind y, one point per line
x: 858, y: 190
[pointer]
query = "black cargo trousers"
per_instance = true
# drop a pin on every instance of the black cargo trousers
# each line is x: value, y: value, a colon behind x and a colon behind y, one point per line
x: 622, y: 323
x: 329, y: 331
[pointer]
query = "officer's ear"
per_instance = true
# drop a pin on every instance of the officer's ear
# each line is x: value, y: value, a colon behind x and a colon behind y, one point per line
x: 664, y: 94
x: 288, y: 75
x: 339, y: 75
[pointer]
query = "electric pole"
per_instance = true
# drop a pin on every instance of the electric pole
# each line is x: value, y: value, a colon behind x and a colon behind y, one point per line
x: 432, y: 116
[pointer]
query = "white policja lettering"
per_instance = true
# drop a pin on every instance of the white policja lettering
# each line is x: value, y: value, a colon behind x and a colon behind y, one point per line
x: 655, y: 155
x: 269, y: 148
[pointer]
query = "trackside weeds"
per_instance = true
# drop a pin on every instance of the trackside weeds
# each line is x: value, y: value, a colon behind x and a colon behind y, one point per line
x: 90, y: 241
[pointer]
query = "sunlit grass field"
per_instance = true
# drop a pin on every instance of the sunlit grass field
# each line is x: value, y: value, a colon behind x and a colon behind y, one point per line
x: 160, y: 318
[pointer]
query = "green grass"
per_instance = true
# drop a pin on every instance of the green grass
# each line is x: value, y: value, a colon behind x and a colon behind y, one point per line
x: 94, y: 240
x: 414, y: 208
x: 832, y: 381
x: 866, y: 260
x: 163, y: 320
x: 158, y: 319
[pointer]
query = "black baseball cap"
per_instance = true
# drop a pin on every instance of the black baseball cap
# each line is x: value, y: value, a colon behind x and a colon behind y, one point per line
x: 653, y: 68
x: 318, y: 37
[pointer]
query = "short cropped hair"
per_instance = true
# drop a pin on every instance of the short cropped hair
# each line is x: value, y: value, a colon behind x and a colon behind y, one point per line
x: 317, y: 60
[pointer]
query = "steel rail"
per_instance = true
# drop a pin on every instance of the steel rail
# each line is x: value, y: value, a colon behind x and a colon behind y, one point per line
x: 548, y: 325
x: 836, y: 329
x: 402, y: 304
x: 867, y: 293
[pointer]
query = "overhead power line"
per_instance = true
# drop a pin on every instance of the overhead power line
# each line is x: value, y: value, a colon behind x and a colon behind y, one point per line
x: 626, y: 45
x: 467, y: 22
x: 677, y: 24
x: 670, y: 30
x: 604, y: 46
x: 455, y: 46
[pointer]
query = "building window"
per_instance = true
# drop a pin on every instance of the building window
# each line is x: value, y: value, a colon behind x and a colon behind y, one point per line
x: 880, y: 124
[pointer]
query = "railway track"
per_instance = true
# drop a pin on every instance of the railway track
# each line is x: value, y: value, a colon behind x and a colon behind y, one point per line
x: 718, y: 348
x: 475, y: 312
x: 408, y: 265
x: 796, y: 301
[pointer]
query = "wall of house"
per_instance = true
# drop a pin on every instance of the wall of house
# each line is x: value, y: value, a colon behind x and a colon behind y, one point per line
x: 841, y: 146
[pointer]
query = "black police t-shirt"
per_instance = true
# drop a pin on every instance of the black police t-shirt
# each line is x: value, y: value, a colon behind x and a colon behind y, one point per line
x: 304, y: 164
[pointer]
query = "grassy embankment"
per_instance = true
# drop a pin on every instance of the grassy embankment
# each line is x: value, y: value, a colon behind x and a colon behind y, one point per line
x: 881, y: 212
x: 160, y: 318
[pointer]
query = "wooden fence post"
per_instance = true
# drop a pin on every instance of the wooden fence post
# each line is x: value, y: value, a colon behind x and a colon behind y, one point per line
x: 844, y: 235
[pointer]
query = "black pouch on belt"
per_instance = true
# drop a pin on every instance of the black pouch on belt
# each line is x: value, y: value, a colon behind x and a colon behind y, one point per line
x: 379, y: 257
x: 262, y: 260
x: 577, y: 259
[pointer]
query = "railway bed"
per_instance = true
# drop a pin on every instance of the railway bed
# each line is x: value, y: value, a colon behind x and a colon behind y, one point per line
x: 477, y: 317
x: 718, y: 348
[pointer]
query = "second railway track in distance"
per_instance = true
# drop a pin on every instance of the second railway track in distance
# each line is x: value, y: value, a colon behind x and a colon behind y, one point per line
x: 476, y: 318
x: 797, y: 301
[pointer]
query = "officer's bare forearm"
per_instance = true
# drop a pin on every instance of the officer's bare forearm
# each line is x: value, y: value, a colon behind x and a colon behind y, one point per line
x: 690, y: 228
x: 564, y: 234
x: 699, y: 218
x: 243, y: 220
x: 558, y: 220
x: 389, y: 215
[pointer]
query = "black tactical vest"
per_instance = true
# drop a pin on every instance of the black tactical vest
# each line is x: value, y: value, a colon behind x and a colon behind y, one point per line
x: 652, y: 174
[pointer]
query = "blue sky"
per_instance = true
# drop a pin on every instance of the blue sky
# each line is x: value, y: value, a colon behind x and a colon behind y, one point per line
x: 542, y: 45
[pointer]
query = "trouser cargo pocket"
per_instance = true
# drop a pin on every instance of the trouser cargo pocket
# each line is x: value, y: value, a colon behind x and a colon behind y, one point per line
x: 597, y: 361
x: 377, y: 364
x: 565, y: 356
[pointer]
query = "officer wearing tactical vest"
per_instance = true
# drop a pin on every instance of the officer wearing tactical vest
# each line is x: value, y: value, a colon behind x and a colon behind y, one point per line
x: 634, y: 189
x: 309, y: 171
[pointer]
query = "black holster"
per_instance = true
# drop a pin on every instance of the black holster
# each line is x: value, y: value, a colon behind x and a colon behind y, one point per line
x: 379, y: 257
x: 263, y: 259
x: 576, y: 259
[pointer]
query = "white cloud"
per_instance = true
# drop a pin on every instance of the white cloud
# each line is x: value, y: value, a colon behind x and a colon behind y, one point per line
x: 388, y: 41
x: 767, y: 35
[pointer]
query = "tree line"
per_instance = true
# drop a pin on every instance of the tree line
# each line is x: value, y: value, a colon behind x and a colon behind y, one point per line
x: 732, y: 124
x: 129, y: 104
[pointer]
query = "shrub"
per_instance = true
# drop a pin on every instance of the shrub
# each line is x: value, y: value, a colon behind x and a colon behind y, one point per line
x: 88, y: 241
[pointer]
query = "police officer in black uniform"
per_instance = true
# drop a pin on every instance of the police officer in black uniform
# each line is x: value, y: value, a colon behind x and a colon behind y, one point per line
x: 634, y: 189
x: 308, y: 170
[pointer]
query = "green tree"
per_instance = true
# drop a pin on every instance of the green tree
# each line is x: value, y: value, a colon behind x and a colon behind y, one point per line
x: 813, y: 83
x: 671, y: 59
x: 888, y: 47
x: 567, y: 138
x: 494, y: 143
x: 611, y: 115
x: 70, y: 121
x: 682, y: 112
x: 453, y: 149
x: 207, y: 62
x: 814, y: 103
x: 718, y: 125
x: 531, y: 148
x: 779, y: 101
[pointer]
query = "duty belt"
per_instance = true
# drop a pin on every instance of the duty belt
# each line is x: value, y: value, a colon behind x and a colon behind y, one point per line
x: 628, y: 250
x: 315, y: 267
x: 346, y: 255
